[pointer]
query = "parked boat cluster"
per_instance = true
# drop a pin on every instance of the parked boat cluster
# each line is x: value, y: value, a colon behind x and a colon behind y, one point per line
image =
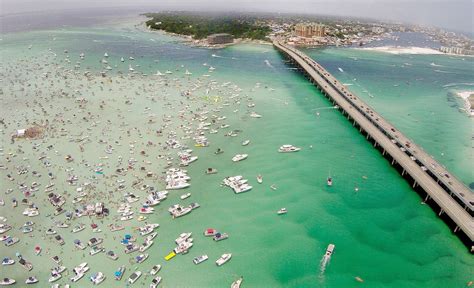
x: 237, y: 183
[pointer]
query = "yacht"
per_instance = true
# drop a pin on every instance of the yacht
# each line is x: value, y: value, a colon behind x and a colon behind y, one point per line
x: 155, y: 282
x: 223, y: 259
x: 288, y: 148
x: 239, y: 157
x: 282, y: 211
x: 155, y: 269
x: 134, y: 277
x: 97, y: 278
x: 200, y: 259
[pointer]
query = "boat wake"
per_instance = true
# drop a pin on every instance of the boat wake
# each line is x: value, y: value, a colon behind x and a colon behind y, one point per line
x: 322, y: 266
x: 268, y: 63
x: 458, y: 84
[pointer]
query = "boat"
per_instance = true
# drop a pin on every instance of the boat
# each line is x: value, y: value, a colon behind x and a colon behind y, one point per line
x: 220, y: 236
x: 155, y: 282
x: 223, y: 259
x: 80, y: 272
x: 58, y: 269
x: 95, y: 241
x: 11, y: 241
x: 183, y: 237
x: 50, y: 232
x: 37, y: 250
x: 56, y: 260
x: 7, y: 281
x: 122, y: 60
x: 246, y: 142
x: 239, y: 157
x: 141, y: 258
x: 96, y: 250
x: 79, y: 245
x: 329, y: 181
x: 259, y: 179
x: 54, y: 277
x: 78, y: 228
x: 31, y: 280
x: 8, y: 261
x: 130, y: 248
x: 134, y: 277
x: 151, y: 236
x: 97, y: 278
x: 255, y: 115
x: 200, y: 259
x: 219, y: 151
x: 288, y: 148
x: 237, y: 283
x: 329, y: 251
x: 59, y: 239
x: 211, y: 171
x: 187, y: 72
x: 25, y: 264
x: 282, y: 211
x: 111, y: 255
x: 155, y: 269
x: 119, y: 273
x: 106, y: 55
x: 185, y: 196
x: 183, y: 247
x: 170, y: 256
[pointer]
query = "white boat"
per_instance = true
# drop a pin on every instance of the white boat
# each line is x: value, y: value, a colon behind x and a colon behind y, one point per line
x: 78, y: 228
x: 259, y: 179
x: 223, y: 259
x: 151, y: 236
x: 185, y: 196
x: 59, y: 269
x: 168, y: 72
x: 220, y: 236
x: 155, y: 282
x: 97, y: 278
x: 183, y: 247
x: 237, y: 283
x: 146, y: 245
x: 282, y: 211
x: 106, y: 55
x: 79, y: 245
x: 130, y: 68
x: 183, y: 237
x: 239, y: 157
x: 200, y: 259
x: 8, y: 261
x: 288, y: 148
x: 255, y: 115
x: 329, y: 181
x: 158, y: 73
x: 119, y: 273
x: 134, y: 277
x: 141, y: 258
x: 174, y: 185
x: 246, y: 142
x: 122, y: 60
x: 96, y: 250
x: 31, y: 280
x: 155, y: 269
x: 7, y: 281
x: 54, y: 277
x: 329, y: 251
x: 187, y: 72
x: 111, y: 255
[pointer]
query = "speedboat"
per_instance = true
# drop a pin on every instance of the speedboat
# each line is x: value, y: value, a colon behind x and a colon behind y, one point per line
x: 97, y: 278
x: 329, y: 251
x: 140, y: 258
x: 155, y: 282
x: 146, y: 245
x: 7, y: 281
x: 211, y: 171
x: 59, y: 269
x: 236, y: 283
x: 50, y: 232
x: 210, y: 232
x: 119, y: 273
x: 187, y: 72
x: 246, y: 142
x: 8, y: 261
x: 134, y: 277
x: 282, y: 211
x: 78, y: 228
x: 183, y: 237
x: 255, y: 115
x: 220, y: 236
x: 31, y: 280
x: 259, y: 179
x: 111, y: 254
x: 155, y: 269
x: 200, y: 259
x: 223, y: 259
x: 96, y: 250
x: 54, y: 277
x: 185, y: 196
x: 183, y: 247
x: 79, y: 245
x: 239, y: 157
x: 288, y: 148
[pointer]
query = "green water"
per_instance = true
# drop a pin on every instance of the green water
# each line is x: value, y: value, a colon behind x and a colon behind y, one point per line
x: 382, y: 233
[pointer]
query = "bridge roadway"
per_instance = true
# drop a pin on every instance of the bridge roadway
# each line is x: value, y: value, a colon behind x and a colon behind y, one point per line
x: 450, y: 194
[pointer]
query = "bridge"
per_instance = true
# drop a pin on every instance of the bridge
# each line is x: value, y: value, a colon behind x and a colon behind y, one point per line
x: 451, y: 199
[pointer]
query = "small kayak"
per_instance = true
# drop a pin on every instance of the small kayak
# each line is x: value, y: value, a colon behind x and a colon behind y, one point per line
x: 170, y: 256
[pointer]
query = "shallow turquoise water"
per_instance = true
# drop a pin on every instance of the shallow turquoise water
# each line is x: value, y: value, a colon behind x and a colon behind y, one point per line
x: 381, y: 232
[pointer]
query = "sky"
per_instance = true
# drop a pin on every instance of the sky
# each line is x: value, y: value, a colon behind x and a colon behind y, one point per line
x: 451, y: 14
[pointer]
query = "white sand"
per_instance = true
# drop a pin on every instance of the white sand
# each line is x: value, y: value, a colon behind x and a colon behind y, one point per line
x: 403, y: 50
